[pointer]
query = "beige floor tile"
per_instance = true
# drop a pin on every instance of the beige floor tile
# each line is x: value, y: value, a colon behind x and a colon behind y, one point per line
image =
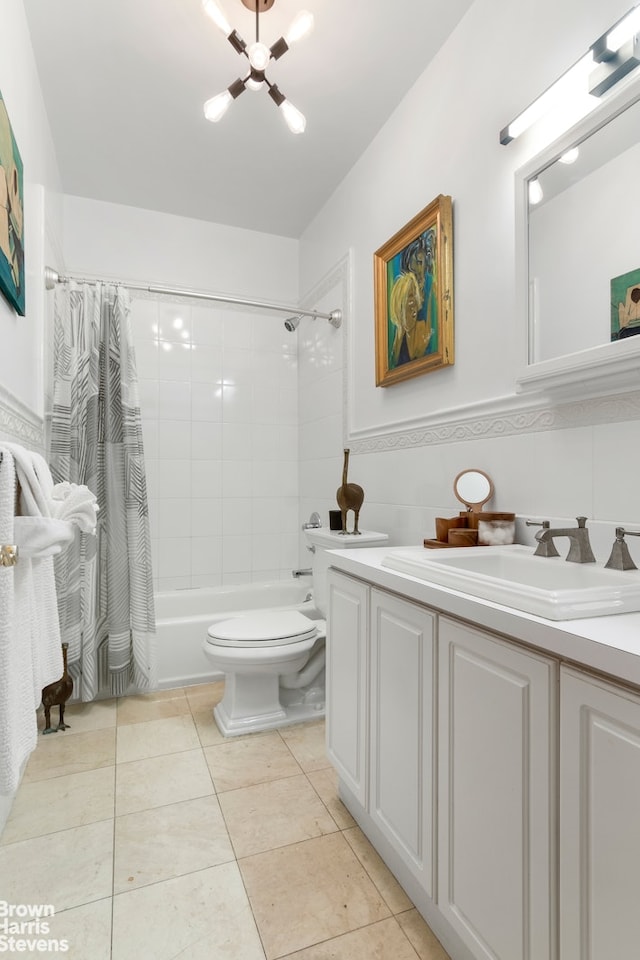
x: 168, y: 842
x: 424, y: 941
x: 145, y: 784
x: 154, y: 738
x: 82, y: 717
x: 202, y: 713
x: 309, y: 892
x: 394, y: 896
x: 200, y: 916
x: 86, y: 929
x: 45, y: 806
x: 325, y: 782
x: 152, y: 706
x: 64, y: 869
x: 273, y: 814
x: 380, y: 941
x: 205, y: 692
x: 243, y: 761
x: 58, y: 755
x: 307, y: 743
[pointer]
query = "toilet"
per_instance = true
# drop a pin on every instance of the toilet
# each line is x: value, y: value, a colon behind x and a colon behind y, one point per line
x: 273, y: 660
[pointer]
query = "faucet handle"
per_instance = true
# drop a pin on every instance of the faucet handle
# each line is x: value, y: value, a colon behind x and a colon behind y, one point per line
x: 545, y: 548
x: 620, y: 558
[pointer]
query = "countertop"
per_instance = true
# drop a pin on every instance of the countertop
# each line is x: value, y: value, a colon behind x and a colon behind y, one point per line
x: 609, y: 644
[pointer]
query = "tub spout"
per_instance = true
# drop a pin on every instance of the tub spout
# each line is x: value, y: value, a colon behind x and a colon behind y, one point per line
x: 302, y: 573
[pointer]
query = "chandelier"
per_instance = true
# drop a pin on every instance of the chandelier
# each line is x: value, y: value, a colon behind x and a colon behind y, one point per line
x: 259, y: 56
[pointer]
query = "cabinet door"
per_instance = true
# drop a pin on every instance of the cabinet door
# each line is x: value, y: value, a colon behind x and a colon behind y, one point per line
x: 402, y: 778
x: 599, y: 820
x: 346, y: 673
x: 496, y: 810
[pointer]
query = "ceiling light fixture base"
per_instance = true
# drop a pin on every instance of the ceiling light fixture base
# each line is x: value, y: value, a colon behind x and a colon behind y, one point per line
x: 261, y: 5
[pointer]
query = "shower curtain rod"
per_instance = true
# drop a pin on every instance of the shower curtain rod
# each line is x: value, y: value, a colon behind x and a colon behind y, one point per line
x: 51, y: 278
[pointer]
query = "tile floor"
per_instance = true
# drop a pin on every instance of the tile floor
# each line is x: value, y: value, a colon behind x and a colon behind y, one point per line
x: 154, y: 837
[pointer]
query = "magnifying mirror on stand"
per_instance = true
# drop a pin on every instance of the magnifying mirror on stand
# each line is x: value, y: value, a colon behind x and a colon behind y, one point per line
x: 473, y: 488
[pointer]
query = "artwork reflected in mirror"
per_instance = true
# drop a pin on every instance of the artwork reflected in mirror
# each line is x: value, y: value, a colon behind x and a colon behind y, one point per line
x: 413, y: 274
x: 11, y: 216
x: 625, y: 305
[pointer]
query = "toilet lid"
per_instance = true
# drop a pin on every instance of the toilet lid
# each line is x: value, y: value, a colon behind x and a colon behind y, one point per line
x: 267, y: 628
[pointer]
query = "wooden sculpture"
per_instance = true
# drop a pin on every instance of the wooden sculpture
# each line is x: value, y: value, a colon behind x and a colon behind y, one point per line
x: 57, y: 693
x: 349, y: 497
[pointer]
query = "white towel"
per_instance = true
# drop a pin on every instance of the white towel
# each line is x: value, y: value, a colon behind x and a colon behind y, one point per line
x: 36, y: 607
x: 75, y: 502
x: 18, y: 729
x: 41, y: 536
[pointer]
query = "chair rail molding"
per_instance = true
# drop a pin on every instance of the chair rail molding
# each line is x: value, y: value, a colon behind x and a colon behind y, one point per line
x: 18, y: 423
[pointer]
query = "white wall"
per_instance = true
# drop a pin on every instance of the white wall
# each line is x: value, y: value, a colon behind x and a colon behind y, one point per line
x: 21, y: 338
x: 444, y: 138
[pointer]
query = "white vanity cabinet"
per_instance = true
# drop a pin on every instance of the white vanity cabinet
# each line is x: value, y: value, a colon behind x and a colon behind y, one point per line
x: 347, y: 673
x: 402, y: 755
x: 496, y: 806
x: 599, y: 819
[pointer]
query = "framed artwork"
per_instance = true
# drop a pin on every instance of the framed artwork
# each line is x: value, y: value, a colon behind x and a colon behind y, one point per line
x: 11, y: 216
x: 625, y: 305
x: 413, y: 288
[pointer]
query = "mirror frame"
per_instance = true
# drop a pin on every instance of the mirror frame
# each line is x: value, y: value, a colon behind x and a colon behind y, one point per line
x: 473, y: 506
x: 595, y: 371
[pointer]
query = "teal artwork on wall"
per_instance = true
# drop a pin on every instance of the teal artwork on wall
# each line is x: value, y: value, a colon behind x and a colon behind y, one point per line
x: 625, y: 305
x: 11, y: 216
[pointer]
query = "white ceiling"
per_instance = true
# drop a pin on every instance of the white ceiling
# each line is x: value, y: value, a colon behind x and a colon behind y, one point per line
x: 124, y: 82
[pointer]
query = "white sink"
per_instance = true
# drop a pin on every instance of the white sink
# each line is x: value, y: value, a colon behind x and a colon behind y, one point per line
x: 546, y: 586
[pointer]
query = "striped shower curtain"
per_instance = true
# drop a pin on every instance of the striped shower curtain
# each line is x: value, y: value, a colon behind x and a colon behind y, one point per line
x: 104, y: 583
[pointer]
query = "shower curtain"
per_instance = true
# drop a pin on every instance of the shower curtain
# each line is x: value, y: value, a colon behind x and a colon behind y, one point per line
x: 104, y: 583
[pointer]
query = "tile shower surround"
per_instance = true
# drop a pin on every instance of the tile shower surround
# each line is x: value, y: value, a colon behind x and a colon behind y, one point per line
x: 152, y: 836
x: 219, y: 403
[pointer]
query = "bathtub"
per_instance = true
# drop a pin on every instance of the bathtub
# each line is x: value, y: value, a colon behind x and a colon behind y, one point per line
x: 183, y: 617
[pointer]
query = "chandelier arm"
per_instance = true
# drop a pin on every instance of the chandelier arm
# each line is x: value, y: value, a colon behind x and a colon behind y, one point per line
x: 237, y: 42
x: 279, y: 48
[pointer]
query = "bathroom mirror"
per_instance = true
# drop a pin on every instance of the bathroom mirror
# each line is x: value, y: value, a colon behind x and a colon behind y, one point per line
x: 473, y: 488
x: 581, y: 233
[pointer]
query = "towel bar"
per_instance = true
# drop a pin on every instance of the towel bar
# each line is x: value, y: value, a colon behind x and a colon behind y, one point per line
x: 8, y: 555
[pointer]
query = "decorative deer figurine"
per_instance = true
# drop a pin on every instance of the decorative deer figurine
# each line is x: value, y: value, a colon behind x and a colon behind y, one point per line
x: 57, y: 693
x: 349, y: 497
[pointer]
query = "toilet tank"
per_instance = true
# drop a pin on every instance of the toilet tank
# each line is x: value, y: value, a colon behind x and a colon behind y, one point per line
x: 320, y: 540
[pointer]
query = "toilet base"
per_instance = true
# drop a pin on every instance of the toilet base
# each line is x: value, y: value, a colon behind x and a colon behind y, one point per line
x: 252, y: 703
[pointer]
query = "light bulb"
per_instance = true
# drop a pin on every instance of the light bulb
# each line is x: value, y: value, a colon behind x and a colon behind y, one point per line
x: 294, y: 119
x: 565, y: 90
x: 216, y: 108
x: 215, y: 12
x: 301, y: 25
x: 259, y: 55
x: 254, y: 84
x: 624, y: 31
x: 570, y: 156
x: 535, y: 191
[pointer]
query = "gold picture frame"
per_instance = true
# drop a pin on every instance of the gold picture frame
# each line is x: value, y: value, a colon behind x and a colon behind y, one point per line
x: 413, y: 288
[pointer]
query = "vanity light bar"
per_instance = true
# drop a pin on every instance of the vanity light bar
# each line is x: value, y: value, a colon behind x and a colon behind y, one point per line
x: 607, y: 61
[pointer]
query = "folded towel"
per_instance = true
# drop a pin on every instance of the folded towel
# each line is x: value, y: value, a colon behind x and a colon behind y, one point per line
x: 36, y: 483
x: 41, y: 536
x: 75, y: 503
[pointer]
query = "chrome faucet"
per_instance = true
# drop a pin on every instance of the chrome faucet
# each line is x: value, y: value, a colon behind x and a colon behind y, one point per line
x: 580, y: 550
x: 620, y: 558
x: 546, y: 548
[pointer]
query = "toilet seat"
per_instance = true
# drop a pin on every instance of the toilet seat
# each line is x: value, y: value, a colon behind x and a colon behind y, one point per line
x: 266, y: 629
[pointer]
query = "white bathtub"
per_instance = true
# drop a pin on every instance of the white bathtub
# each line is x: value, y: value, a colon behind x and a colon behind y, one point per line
x: 183, y: 617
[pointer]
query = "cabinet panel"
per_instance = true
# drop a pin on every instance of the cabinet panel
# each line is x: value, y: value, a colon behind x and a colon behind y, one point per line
x: 346, y: 678
x: 496, y: 781
x: 402, y: 786
x: 599, y: 820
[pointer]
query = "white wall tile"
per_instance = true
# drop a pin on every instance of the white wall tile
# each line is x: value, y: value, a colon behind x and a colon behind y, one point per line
x: 206, y: 440
x: 236, y: 479
x: 616, y: 469
x: 237, y: 441
x: 206, y: 363
x: 206, y: 478
x: 237, y: 402
x: 236, y: 554
x: 174, y: 361
x: 174, y: 518
x: 174, y: 557
x: 237, y: 516
x: 174, y: 479
x: 206, y: 555
x: 206, y: 401
x: 174, y: 400
x: 173, y: 318
x: 174, y: 440
x: 207, y: 326
x: 206, y: 517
